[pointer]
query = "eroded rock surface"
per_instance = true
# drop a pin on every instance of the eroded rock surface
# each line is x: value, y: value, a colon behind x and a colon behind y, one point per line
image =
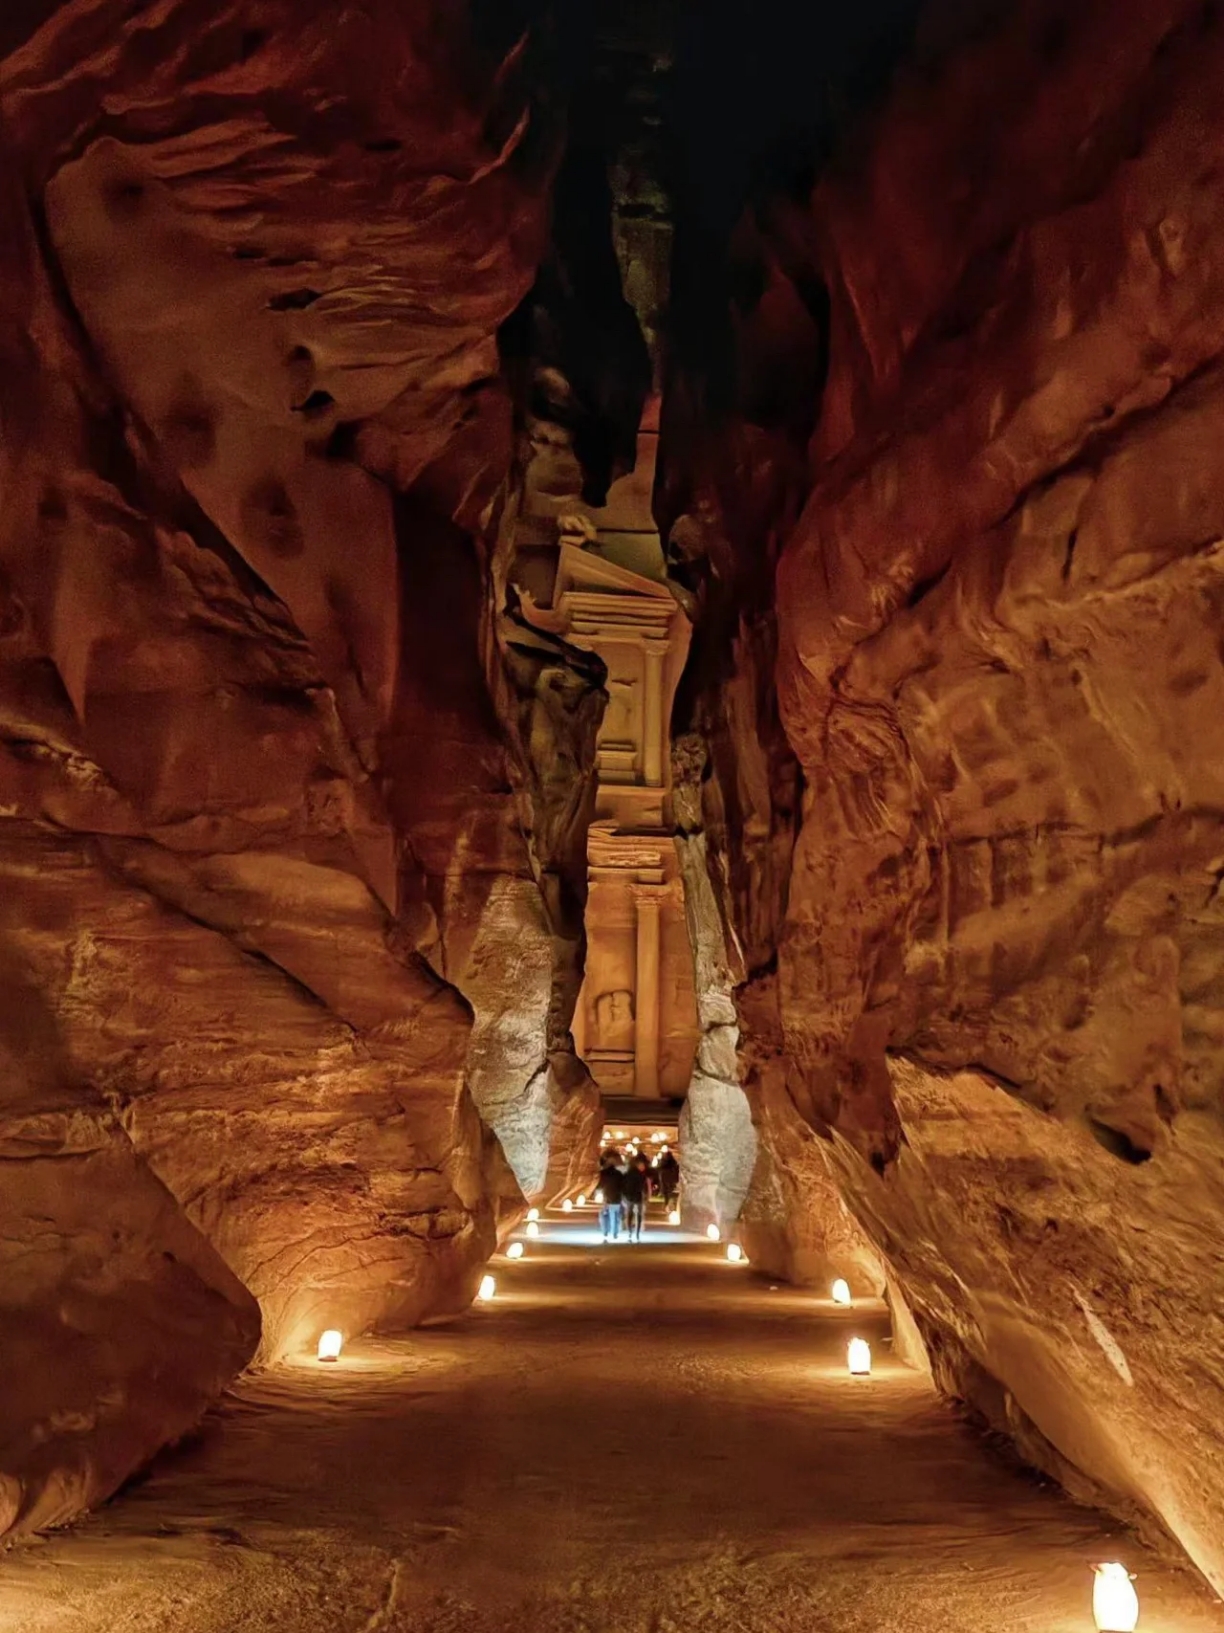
x: 795, y: 1223
x: 999, y: 669
x: 268, y: 807
x: 716, y: 1130
x: 120, y: 1322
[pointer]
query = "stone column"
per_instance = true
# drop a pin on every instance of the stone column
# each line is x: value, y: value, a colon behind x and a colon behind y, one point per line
x: 646, y: 983
x: 578, y: 1024
x: 652, y: 726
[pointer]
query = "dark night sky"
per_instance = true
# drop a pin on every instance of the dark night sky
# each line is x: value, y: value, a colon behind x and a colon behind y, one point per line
x: 761, y: 88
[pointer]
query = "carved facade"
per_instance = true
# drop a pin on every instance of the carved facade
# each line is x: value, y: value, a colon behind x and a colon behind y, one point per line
x: 636, y: 1021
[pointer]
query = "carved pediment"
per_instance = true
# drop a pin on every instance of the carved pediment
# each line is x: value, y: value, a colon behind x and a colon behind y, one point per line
x: 584, y: 571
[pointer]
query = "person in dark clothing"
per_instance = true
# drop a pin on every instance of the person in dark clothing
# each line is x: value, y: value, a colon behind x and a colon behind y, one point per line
x: 611, y: 1194
x: 636, y: 1194
x: 669, y: 1176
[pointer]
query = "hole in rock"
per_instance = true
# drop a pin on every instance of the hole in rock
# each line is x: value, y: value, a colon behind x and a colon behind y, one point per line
x: 125, y: 197
x: 316, y: 404
x: 1118, y: 1143
x: 294, y: 300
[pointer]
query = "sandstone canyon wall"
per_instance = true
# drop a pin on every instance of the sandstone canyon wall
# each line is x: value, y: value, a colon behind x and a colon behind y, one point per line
x: 993, y: 966
x: 278, y: 787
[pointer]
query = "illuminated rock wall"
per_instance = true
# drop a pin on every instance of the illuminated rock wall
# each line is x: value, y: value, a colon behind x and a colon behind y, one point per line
x: 998, y: 938
x: 277, y: 787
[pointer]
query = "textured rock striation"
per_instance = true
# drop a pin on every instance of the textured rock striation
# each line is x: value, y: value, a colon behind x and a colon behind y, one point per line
x: 999, y: 670
x: 277, y: 793
x: 716, y: 1131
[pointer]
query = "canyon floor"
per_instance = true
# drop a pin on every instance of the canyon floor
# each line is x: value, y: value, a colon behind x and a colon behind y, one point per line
x: 643, y: 1439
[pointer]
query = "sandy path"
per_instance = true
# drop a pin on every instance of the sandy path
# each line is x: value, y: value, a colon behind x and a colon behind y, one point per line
x: 644, y: 1440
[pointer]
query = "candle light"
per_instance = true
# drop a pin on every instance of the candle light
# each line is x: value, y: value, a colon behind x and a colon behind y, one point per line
x: 734, y: 1252
x: 713, y: 1232
x: 673, y: 1217
x: 567, y: 1206
x: 533, y: 1228
x: 858, y: 1357
x: 841, y: 1292
x: 515, y: 1250
x: 1115, y: 1604
x: 488, y: 1286
x: 330, y: 1345
x: 582, y: 1199
x: 533, y: 1214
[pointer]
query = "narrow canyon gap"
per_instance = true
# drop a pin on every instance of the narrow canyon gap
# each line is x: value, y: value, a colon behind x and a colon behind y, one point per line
x: 628, y: 562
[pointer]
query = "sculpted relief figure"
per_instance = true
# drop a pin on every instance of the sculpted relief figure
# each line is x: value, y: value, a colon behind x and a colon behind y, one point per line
x: 614, y: 1019
x: 620, y: 722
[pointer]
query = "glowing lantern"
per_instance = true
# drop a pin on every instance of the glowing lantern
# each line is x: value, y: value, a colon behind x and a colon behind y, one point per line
x: 567, y: 1206
x: 515, y: 1250
x: 859, y: 1357
x: 599, y: 1197
x: 734, y: 1252
x: 1115, y: 1604
x: 487, y: 1288
x: 581, y: 1199
x: 330, y: 1345
x: 713, y: 1232
x: 841, y: 1292
x: 533, y: 1213
x: 673, y: 1217
x: 533, y: 1228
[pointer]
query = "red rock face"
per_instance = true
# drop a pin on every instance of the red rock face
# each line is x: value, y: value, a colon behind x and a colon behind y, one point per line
x: 999, y: 668
x: 262, y: 795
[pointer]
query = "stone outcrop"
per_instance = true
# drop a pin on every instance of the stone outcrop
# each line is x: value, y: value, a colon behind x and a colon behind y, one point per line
x: 291, y: 826
x: 715, y: 1132
x: 121, y: 1322
x: 794, y: 1222
x: 999, y: 670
